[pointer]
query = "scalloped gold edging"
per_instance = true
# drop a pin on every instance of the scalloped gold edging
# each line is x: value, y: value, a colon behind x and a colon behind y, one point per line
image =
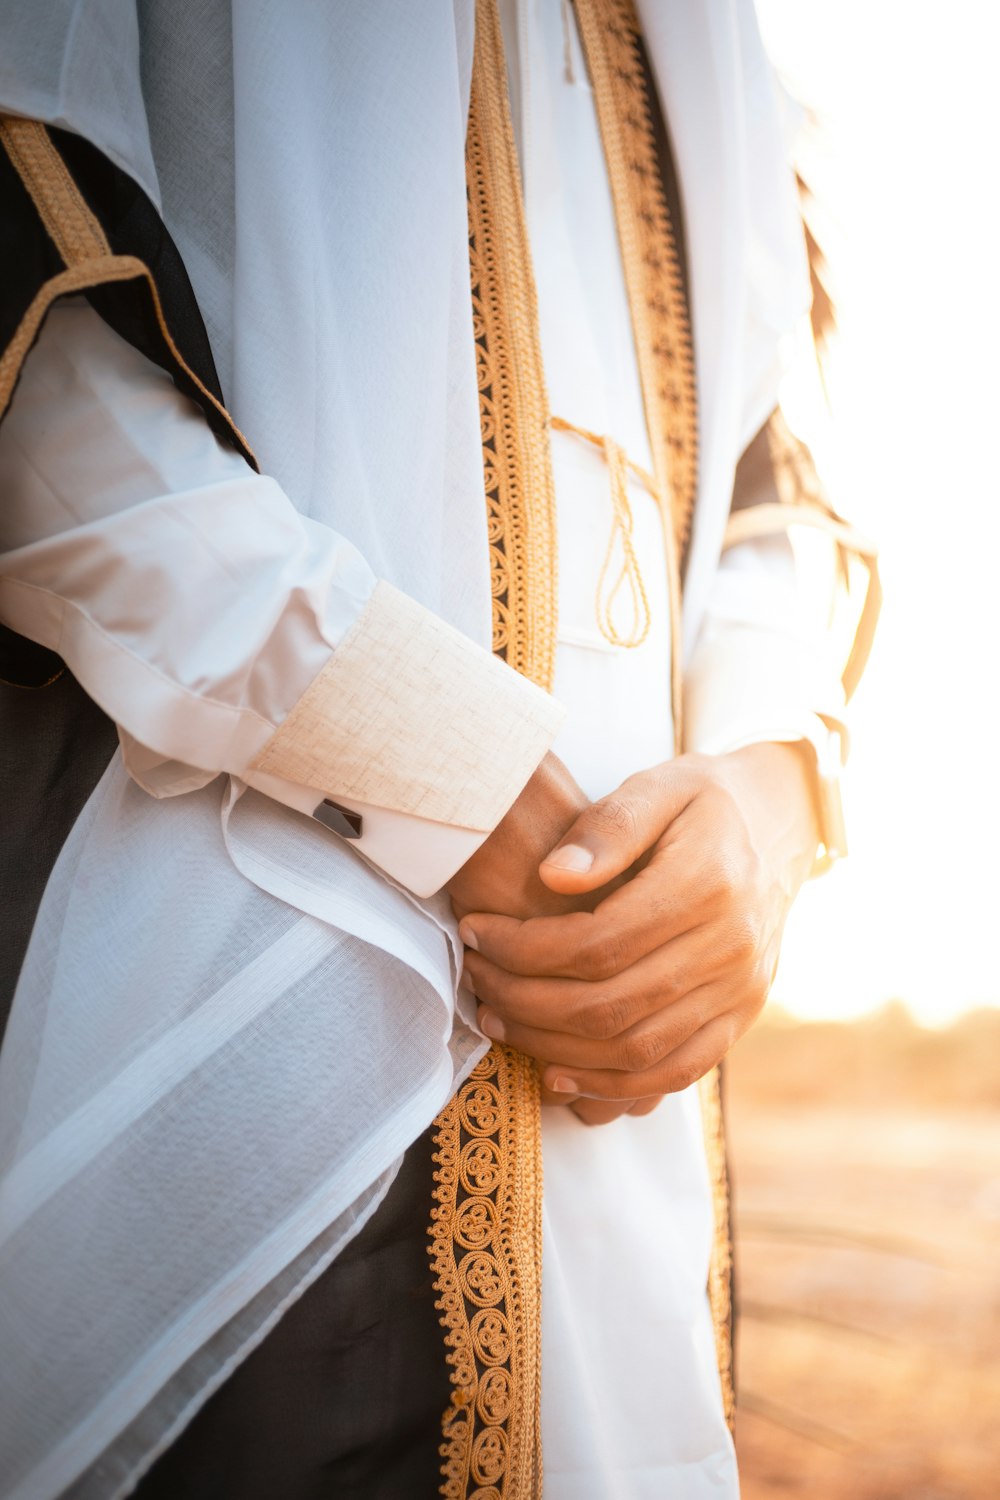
x: 513, y: 402
x: 485, y: 1250
x: 486, y: 1226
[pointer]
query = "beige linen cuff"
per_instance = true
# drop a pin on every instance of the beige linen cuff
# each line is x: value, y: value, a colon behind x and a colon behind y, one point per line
x: 412, y: 716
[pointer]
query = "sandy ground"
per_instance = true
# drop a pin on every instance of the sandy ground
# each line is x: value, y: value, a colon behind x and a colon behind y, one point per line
x: 866, y: 1165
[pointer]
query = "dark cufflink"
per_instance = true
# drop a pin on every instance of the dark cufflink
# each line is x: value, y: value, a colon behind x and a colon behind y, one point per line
x: 341, y: 819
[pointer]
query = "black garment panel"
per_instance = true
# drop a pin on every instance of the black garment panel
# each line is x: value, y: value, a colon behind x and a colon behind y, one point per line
x: 344, y: 1397
x: 54, y: 745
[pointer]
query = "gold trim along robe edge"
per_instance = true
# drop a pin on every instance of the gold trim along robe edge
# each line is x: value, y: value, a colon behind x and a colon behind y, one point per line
x: 485, y: 1232
x: 486, y: 1226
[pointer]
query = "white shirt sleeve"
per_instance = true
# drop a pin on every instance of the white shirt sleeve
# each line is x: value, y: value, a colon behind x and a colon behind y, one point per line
x: 223, y: 631
x: 764, y: 668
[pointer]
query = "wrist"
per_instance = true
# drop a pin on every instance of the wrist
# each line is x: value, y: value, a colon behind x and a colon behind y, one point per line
x: 503, y: 874
x: 777, y: 785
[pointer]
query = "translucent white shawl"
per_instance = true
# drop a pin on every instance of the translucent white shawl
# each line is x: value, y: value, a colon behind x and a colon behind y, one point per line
x: 227, y: 1031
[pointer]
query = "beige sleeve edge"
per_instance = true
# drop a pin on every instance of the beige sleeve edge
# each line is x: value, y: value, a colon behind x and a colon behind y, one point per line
x: 410, y: 715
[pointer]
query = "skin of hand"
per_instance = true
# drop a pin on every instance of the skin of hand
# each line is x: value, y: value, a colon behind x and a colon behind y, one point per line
x: 643, y: 994
x: 503, y: 876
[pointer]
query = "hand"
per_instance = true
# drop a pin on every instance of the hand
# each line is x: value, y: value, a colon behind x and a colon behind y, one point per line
x: 648, y: 991
x: 601, y: 1111
x: 503, y: 874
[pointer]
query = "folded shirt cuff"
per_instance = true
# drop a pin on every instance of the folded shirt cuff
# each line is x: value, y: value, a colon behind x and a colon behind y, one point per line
x: 416, y: 733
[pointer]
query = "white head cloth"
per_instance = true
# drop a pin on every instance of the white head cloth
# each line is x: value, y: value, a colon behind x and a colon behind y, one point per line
x: 225, y: 1034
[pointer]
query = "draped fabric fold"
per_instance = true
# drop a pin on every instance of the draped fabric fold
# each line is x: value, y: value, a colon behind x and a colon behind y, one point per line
x: 309, y: 1024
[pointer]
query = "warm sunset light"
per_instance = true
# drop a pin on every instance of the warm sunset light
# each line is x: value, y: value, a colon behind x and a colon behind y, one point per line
x: 867, y: 1157
x: 904, y: 166
x: 416, y: 729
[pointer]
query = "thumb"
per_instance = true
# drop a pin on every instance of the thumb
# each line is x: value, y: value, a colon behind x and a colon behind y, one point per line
x: 610, y: 835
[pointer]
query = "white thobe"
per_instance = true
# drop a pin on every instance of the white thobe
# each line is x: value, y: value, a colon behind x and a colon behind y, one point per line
x: 631, y: 1402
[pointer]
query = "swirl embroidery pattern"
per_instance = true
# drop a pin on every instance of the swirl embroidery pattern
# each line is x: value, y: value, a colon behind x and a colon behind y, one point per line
x: 486, y: 1226
x: 485, y: 1239
x: 513, y: 403
x: 611, y: 37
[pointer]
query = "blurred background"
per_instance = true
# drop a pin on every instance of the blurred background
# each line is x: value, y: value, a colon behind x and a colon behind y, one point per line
x: 865, y: 1108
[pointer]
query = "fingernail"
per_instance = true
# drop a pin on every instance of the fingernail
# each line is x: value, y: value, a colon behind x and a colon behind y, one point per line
x: 563, y: 1085
x: 492, y: 1025
x: 570, y: 857
x: 468, y: 937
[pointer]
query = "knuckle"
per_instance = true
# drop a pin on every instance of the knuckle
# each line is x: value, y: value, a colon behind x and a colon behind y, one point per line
x: 615, y: 815
x: 491, y: 983
x: 683, y: 1075
x: 672, y: 986
x: 708, y: 880
x: 601, y: 957
x: 738, y: 943
x: 617, y: 1014
x: 680, y: 1029
x: 723, y: 880
x: 640, y: 1051
x: 603, y: 1021
x: 477, y: 977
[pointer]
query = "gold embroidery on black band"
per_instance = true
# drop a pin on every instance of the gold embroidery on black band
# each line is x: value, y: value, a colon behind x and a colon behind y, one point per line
x: 486, y: 1253
x: 609, y: 31
x: 486, y: 1228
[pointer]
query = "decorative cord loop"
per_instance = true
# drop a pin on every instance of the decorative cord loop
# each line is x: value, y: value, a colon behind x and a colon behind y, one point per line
x: 629, y: 572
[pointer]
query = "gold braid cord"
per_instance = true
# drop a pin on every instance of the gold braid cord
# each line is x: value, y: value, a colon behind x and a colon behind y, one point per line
x: 486, y: 1226
x: 609, y: 30
x: 84, y: 249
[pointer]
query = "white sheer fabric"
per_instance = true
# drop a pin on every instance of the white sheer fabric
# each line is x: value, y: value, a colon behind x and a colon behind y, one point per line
x: 292, y: 1019
x: 205, y: 1118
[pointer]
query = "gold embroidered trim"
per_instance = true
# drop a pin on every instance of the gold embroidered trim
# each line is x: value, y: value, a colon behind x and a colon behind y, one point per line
x: 513, y: 404
x: 486, y: 1227
x: 82, y: 244
x: 486, y: 1252
x: 720, y: 1271
x: 611, y: 37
